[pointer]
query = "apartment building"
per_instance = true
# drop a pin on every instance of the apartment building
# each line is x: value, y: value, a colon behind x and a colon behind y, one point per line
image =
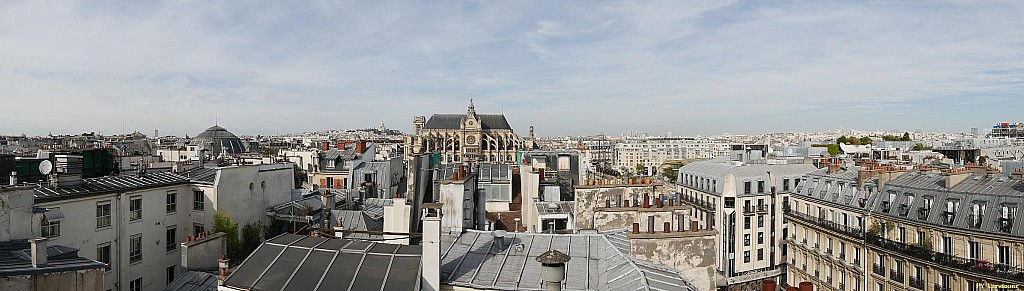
x: 737, y: 199
x: 925, y: 229
x: 136, y: 223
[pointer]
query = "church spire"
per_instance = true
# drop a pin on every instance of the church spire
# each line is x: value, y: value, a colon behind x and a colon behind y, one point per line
x: 472, y: 109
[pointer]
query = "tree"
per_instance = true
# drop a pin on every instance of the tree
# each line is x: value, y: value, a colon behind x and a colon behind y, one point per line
x: 853, y: 141
x: 222, y: 222
x: 669, y: 173
x: 640, y: 169
x: 842, y: 139
x: 865, y: 140
x: 250, y: 238
x: 920, y: 147
x: 906, y: 136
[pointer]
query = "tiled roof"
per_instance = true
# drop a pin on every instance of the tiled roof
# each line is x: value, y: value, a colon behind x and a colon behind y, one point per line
x: 454, y: 121
x: 101, y: 185
x: 598, y: 262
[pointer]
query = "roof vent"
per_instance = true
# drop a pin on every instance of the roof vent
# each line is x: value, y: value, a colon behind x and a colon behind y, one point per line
x: 499, y: 239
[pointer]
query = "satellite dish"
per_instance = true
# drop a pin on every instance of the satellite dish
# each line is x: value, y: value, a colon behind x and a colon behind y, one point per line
x: 45, y: 167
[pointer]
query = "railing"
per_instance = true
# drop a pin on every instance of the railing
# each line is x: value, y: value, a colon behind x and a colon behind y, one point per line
x: 878, y: 270
x: 922, y: 213
x: 828, y: 251
x: 975, y: 220
x: 940, y: 288
x: 904, y: 210
x: 842, y: 255
x: 762, y: 208
x: 898, y: 277
x: 748, y: 210
x: 842, y: 229
x: 916, y: 282
x: 950, y: 217
x: 979, y: 267
x: 1006, y: 224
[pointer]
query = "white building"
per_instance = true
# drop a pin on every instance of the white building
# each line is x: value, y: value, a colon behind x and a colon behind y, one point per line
x: 136, y: 223
x: 653, y: 152
x: 736, y: 199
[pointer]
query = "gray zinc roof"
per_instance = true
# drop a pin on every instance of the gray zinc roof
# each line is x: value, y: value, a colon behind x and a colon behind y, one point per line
x: 293, y: 262
x: 598, y: 262
x: 193, y: 281
x: 15, y: 260
x: 454, y: 121
x: 109, y: 184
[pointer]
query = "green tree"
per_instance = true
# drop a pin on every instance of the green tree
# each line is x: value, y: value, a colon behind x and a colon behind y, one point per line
x: 906, y: 136
x: 250, y: 238
x: 842, y: 139
x: 853, y: 141
x: 222, y: 222
x: 669, y: 173
x: 640, y: 169
x: 866, y: 140
x: 920, y: 147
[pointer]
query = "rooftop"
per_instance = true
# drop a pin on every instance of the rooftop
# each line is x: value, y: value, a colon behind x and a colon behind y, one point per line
x: 597, y: 262
x: 294, y: 262
x: 109, y: 184
x: 454, y: 121
x: 15, y: 260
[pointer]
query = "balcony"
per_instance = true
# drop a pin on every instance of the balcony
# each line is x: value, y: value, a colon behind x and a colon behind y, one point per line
x: 975, y: 220
x: 940, y: 288
x: 762, y: 209
x: 976, y: 267
x: 748, y: 210
x: 828, y: 251
x: 841, y: 229
x: 904, y: 210
x: 842, y: 256
x: 817, y: 246
x: 949, y: 217
x: 916, y: 283
x: 878, y: 270
x: 898, y: 277
x: 1005, y: 224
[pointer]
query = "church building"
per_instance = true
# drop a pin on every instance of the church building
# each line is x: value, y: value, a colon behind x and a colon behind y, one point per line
x: 470, y: 137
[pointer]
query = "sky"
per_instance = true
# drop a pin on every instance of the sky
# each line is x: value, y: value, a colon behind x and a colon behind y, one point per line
x: 565, y: 67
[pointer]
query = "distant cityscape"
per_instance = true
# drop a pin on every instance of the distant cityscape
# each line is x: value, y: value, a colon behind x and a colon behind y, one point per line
x: 464, y: 202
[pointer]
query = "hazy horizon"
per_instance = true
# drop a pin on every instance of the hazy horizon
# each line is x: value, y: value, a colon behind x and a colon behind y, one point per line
x: 567, y: 68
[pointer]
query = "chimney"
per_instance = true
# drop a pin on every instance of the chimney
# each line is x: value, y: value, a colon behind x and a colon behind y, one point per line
x: 360, y: 146
x: 553, y: 269
x: 650, y: 224
x: 499, y: 239
x: 223, y: 265
x: 647, y: 200
x: 338, y: 144
x: 325, y: 145
x: 38, y: 252
x: 768, y: 285
x: 636, y: 227
x: 431, y: 266
x: 541, y: 172
x: 668, y: 227
x: 806, y: 286
x: 955, y: 176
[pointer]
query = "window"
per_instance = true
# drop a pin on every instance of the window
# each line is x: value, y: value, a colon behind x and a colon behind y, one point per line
x: 170, y: 275
x: 879, y: 287
x: 920, y: 237
x: 1003, y: 255
x: 746, y: 187
x: 760, y: 221
x: 947, y: 245
x: 330, y: 182
x: 746, y: 222
x: 103, y: 254
x: 197, y: 228
x: 785, y: 184
x: 135, y: 285
x: 974, y: 250
x: 135, y: 207
x: 172, y: 201
x: 730, y: 202
x: 51, y: 229
x: 746, y: 256
x: 102, y: 214
x: 171, y: 238
x: 135, y: 249
x: 198, y: 200
x: 760, y: 254
x: 760, y: 237
x: 497, y: 192
x: 746, y: 240
x: 902, y: 234
x: 760, y: 186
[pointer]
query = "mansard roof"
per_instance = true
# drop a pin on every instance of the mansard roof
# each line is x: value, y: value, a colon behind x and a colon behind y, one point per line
x: 454, y: 121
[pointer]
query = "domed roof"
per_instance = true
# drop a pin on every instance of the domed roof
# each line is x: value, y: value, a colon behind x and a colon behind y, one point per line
x: 222, y: 140
x: 216, y: 132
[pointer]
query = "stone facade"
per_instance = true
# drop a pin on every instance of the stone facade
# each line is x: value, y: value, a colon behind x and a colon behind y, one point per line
x: 469, y: 137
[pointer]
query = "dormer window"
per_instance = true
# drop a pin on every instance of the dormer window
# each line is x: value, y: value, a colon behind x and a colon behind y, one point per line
x: 330, y: 163
x: 950, y: 213
x: 1007, y: 213
x: 977, y: 213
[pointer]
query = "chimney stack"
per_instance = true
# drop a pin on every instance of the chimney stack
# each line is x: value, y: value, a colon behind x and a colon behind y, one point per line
x: 38, y: 252
x: 223, y: 264
x: 325, y: 145
x: 668, y: 227
x: 431, y: 267
x: 636, y: 227
x: 806, y: 286
x: 499, y: 239
x: 360, y: 146
x: 768, y: 285
x: 650, y: 224
x: 553, y: 269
